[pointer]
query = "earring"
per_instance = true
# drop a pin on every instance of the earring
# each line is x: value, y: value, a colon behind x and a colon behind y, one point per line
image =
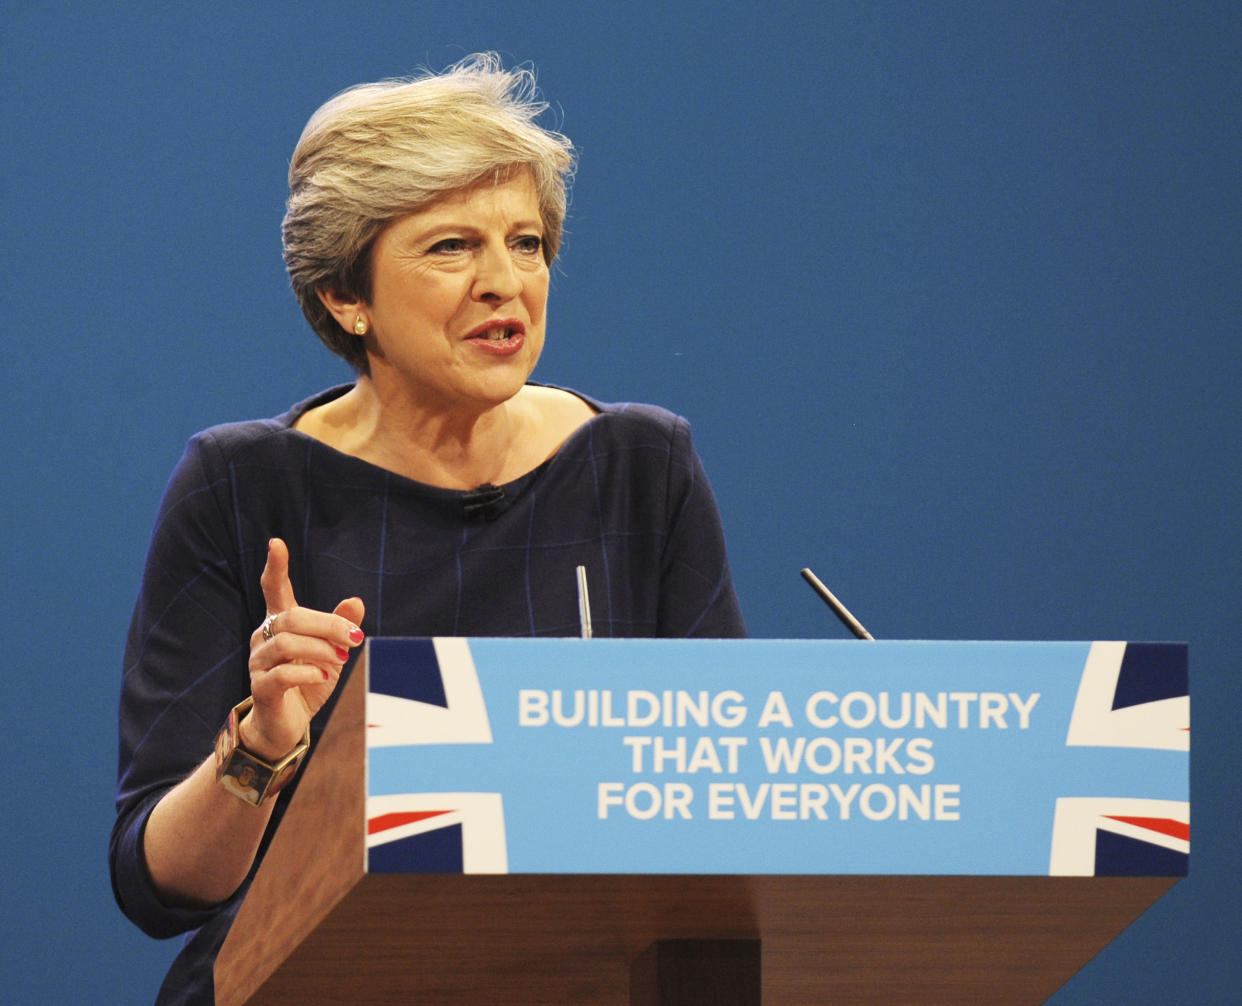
x: 360, y: 325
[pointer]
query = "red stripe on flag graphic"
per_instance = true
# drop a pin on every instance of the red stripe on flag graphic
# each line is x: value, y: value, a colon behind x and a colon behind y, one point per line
x: 1164, y: 825
x: 396, y: 820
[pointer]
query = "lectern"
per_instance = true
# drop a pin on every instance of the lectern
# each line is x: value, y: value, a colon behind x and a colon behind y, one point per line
x: 624, y: 822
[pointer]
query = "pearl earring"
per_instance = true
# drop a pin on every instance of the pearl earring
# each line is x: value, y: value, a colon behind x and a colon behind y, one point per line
x: 360, y: 325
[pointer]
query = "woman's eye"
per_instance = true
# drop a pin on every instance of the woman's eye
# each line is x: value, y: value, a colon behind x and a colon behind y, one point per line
x: 448, y: 246
x: 529, y: 243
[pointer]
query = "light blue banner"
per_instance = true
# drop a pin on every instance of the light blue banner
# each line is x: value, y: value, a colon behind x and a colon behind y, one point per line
x: 657, y: 756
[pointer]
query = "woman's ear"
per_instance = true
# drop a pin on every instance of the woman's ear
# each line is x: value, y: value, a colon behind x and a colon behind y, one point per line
x: 350, y: 312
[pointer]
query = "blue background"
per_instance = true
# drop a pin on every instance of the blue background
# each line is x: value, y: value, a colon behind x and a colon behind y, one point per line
x: 950, y: 292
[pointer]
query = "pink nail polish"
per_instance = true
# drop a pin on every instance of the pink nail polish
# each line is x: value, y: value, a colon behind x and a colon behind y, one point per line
x: 356, y: 636
x: 326, y: 675
x: 342, y: 654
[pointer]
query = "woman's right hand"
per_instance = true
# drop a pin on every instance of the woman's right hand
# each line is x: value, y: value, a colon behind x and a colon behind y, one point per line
x: 200, y: 841
x: 295, y: 665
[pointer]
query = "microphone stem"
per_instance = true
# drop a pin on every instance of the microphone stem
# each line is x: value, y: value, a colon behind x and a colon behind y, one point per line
x: 838, y: 609
x: 584, y: 603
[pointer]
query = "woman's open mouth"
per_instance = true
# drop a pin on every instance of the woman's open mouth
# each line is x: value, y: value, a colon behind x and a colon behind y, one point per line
x: 500, y: 338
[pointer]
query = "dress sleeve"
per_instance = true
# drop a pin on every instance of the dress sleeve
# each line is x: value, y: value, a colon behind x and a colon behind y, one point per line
x: 696, y: 588
x: 185, y: 667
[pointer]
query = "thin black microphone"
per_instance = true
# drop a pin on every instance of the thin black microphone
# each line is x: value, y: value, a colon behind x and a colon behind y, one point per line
x: 486, y: 502
x: 838, y: 609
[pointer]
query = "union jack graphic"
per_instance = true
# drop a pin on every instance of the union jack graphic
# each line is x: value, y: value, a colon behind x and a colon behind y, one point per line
x: 427, y: 692
x: 1132, y: 695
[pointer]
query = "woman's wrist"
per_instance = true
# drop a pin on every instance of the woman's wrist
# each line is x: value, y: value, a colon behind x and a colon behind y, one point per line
x: 256, y: 744
x: 250, y: 774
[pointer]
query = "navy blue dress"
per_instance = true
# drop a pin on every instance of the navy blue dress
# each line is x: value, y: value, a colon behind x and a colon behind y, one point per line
x: 625, y: 496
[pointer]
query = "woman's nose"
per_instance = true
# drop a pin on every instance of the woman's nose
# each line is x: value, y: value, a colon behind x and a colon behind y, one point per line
x: 496, y: 277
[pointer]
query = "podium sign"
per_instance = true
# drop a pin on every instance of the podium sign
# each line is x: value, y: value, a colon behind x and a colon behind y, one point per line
x: 656, y: 822
x: 797, y: 757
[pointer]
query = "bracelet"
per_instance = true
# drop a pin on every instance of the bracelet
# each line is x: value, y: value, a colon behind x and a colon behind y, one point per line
x: 241, y: 773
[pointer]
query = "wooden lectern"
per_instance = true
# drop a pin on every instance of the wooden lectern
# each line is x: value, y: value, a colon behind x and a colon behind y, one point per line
x: 315, y: 927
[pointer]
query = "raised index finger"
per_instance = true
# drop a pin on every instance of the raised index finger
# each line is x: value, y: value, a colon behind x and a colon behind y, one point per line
x: 277, y: 590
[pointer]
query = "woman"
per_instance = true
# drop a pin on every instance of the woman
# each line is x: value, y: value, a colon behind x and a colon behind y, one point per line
x: 442, y: 493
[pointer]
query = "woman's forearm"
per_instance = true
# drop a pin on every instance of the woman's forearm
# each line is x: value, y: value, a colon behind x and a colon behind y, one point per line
x: 201, y: 840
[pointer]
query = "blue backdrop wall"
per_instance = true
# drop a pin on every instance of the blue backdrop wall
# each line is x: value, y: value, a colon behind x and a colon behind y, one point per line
x: 950, y: 292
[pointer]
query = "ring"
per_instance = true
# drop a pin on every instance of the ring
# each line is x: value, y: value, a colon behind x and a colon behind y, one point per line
x: 268, y: 623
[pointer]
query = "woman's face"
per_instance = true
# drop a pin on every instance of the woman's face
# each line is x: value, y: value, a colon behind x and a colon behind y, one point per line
x: 459, y: 296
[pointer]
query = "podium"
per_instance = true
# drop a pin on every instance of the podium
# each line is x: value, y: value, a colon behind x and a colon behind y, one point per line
x: 726, y: 822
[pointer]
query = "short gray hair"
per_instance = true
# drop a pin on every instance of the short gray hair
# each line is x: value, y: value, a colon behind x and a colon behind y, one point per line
x: 380, y: 151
